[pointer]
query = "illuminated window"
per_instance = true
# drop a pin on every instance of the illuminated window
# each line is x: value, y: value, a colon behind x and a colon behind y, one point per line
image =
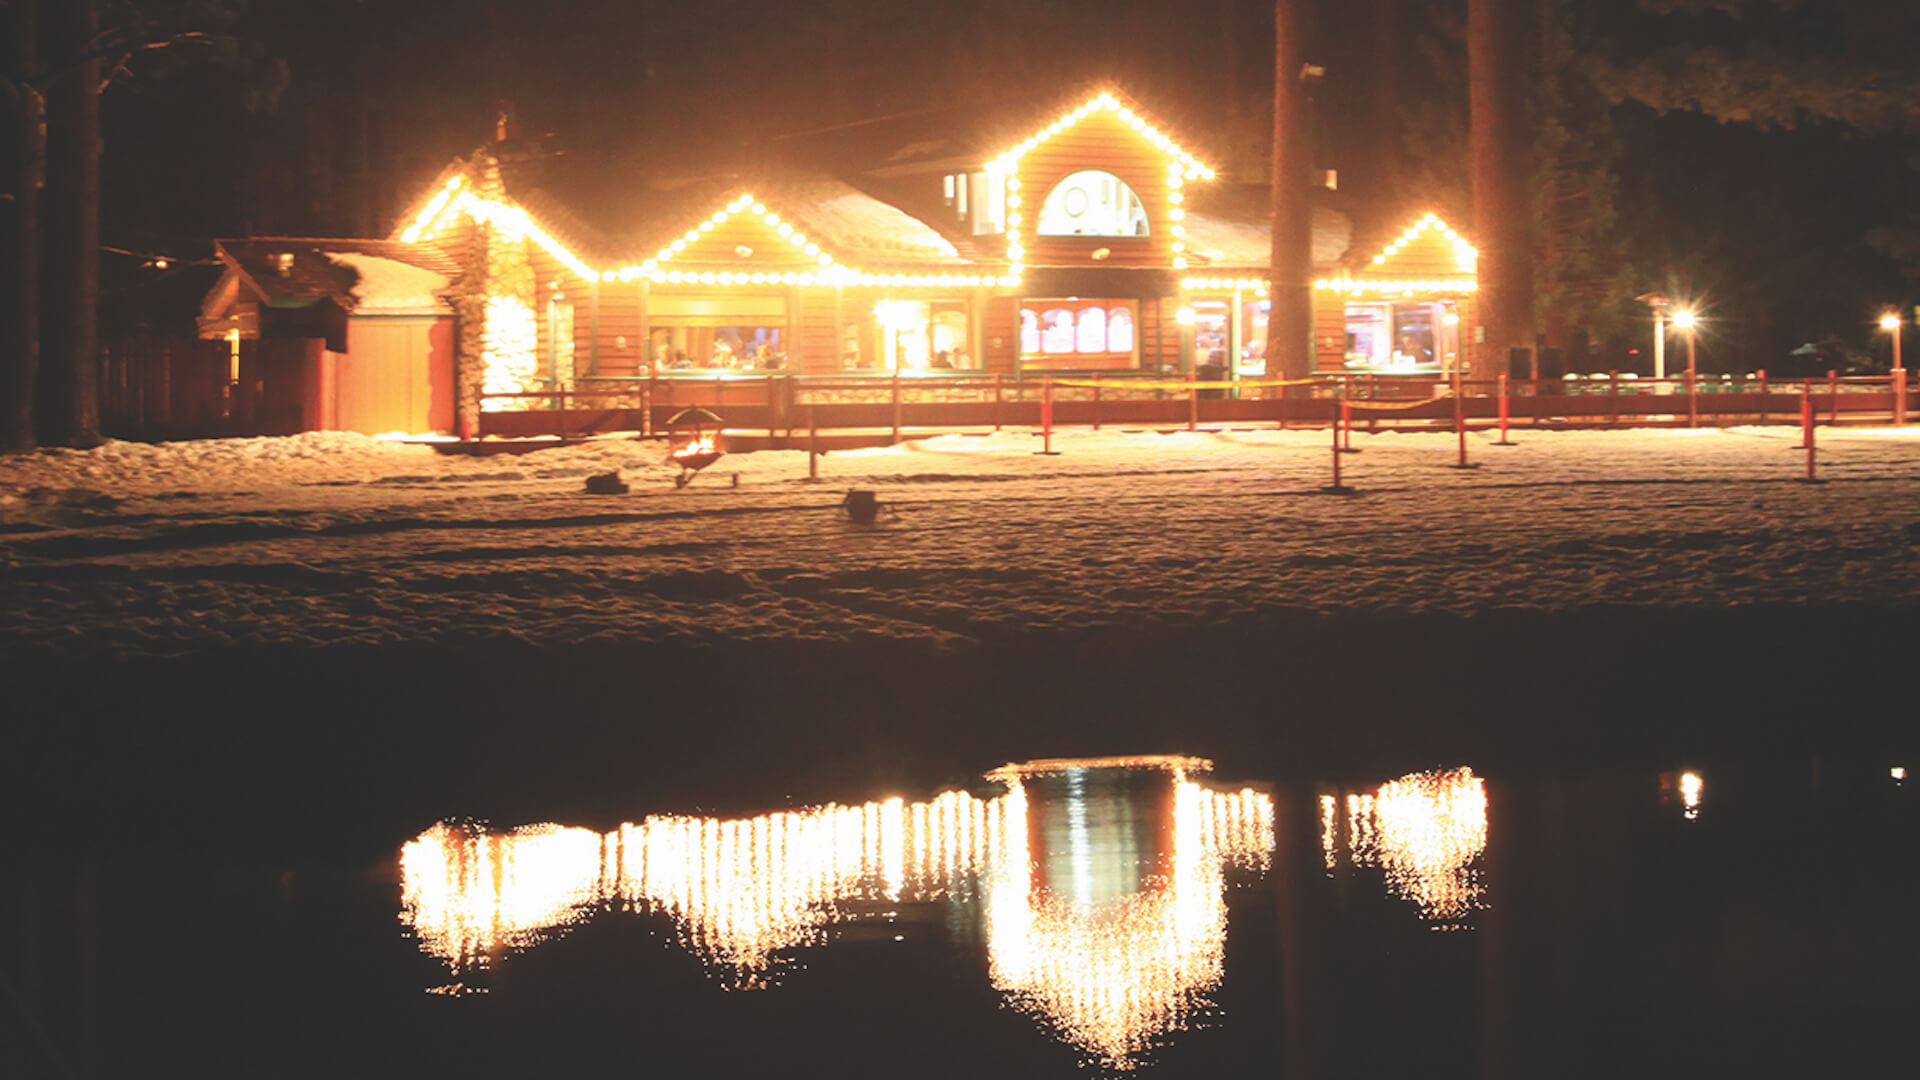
x: 986, y: 203
x: 1077, y: 334
x: 700, y: 345
x: 923, y: 335
x: 1253, y: 337
x: 1406, y: 335
x: 1092, y: 203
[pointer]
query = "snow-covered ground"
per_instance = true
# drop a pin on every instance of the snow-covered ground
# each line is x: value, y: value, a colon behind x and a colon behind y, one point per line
x: 335, y: 537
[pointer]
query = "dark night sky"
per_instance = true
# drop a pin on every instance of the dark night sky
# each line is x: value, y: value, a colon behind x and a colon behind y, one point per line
x: 1770, y: 226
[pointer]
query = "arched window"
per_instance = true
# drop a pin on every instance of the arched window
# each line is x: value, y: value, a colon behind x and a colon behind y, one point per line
x: 1092, y: 203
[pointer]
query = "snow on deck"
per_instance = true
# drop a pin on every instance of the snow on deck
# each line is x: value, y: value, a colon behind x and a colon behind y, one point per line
x: 331, y: 537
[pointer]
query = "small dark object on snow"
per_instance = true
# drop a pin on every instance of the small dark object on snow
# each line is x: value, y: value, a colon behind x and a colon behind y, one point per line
x: 606, y: 484
x: 861, y: 506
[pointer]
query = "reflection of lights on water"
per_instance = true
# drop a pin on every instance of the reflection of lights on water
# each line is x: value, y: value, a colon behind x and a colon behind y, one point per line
x: 1424, y: 830
x: 1109, y: 977
x: 1690, y: 786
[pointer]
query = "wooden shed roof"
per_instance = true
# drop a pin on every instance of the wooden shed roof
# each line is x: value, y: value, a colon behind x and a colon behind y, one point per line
x: 309, y: 273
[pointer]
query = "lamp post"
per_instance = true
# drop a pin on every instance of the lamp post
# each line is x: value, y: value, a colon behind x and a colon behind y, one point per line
x: 1683, y: 321
x: 1891, y: 324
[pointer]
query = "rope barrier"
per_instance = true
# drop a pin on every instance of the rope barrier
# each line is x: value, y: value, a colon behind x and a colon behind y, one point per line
x: 1163, y: 384
x: 1392, y: 405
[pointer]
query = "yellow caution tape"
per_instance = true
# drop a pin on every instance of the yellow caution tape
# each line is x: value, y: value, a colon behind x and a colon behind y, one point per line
x: 1165, y: 384
x: 1394, y: 404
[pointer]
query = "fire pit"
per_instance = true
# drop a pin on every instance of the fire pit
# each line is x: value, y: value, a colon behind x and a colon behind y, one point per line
x: 694, y: 438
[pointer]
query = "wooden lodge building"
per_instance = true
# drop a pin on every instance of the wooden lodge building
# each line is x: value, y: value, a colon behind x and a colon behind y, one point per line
x: 1093, y: 242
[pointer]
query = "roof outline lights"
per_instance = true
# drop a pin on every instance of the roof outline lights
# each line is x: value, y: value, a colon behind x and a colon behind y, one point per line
x: 1465, y: 261
x: 514, y: 219
x: 1181, y: 166
x: 831, y: 271
x: 452, y: 199
x: 1465, y: 255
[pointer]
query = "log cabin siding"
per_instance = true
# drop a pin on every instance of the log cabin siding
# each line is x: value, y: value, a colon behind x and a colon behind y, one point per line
x: 1100, y: 141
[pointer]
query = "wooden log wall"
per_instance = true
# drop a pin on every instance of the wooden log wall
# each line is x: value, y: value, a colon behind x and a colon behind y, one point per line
x: 1100, y: 141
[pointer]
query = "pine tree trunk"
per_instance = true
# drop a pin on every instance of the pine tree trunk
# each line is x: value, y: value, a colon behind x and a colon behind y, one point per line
x: 1383, y: 104
x: 20, y: 233
x: 70, y: 335
x: 1502, y: 190
x: 1290, y: 321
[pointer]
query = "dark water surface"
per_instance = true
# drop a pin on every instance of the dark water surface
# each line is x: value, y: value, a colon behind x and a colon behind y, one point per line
x: 1112, y: 916
x: 1437, y: 846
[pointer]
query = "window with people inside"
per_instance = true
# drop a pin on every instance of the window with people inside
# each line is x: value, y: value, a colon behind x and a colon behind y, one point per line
x: 1078, y: 334
x: 711, y: 348
x: 1403, y: 336
x: 914, y: 335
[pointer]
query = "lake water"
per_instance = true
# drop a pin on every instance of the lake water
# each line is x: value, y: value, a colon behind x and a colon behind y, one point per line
x: 1153, y: 916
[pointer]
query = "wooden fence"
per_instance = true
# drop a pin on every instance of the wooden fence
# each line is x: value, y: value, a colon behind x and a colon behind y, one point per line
x: 781, y: 405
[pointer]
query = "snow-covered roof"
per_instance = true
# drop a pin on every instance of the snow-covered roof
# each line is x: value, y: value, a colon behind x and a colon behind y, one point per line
x: 282, y: 271
x: 391, y: 287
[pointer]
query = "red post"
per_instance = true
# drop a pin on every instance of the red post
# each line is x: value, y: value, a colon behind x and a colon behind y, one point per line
x: 1504, y: 441
x: 646, y: 406
x: 1762, y: 375
x: 1046, y: 415
x: 1336, y: 447
x: 813, y: 452
x: 1899, y: 393
x: 896, y: 406
x: 1613, y: 398
x: 1460, y: 429
x: 1833, y: 398
x: 1806, y: 411
x: 1346, y: 426
x: 1693, y: 400
x: 1806, y: 430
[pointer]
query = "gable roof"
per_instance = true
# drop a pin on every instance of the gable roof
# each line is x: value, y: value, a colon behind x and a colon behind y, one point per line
x: 310, y: 273
x: 1104, y: 101
x: 1429, y: 256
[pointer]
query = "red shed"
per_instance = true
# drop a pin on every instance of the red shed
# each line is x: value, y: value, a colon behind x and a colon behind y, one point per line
x: 352, y: 335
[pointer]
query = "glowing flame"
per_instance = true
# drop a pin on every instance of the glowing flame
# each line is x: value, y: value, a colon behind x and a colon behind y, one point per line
x: 746, y: 893
x: 696, y: 447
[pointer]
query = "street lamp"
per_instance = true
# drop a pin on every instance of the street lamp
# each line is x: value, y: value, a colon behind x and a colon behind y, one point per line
x: 1683, y: 320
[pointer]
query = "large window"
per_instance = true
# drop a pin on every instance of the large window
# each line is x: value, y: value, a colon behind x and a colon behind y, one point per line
x: 708, y: 333
x: 1253, y: 337
x: 1092, y: 203
x: 719, y: 348
x: 921, y: 335
x: 1212, y: 338
x: 1408, y: 335
x: 1078, y: 335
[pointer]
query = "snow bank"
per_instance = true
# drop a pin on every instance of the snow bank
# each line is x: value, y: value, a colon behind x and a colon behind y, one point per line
x: 329, y: 537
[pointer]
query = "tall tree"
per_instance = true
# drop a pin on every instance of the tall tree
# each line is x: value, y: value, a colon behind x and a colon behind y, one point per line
x: 25, y: 159
x: 1290, y: 267
x: 1503, y: 207
x: 70, y: 335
